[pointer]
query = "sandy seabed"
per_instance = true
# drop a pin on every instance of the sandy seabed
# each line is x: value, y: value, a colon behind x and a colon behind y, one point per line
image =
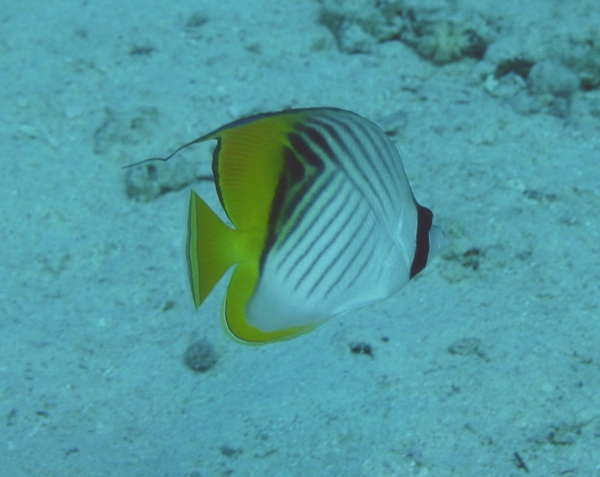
x: 487, y: 364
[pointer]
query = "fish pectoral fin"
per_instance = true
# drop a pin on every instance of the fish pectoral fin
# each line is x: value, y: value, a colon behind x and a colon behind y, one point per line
x: 211, y: 248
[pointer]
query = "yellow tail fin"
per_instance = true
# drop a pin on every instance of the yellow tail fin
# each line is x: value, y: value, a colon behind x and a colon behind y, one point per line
x: 210, y: 248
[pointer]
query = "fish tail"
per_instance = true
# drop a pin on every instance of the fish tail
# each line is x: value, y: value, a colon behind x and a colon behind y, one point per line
x: 211, y: 249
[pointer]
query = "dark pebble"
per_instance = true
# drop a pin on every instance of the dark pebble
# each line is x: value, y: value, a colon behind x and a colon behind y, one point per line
x: 200, y: 355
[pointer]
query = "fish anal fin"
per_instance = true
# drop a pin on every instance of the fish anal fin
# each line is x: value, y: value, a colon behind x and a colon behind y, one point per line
x: 235, y: 322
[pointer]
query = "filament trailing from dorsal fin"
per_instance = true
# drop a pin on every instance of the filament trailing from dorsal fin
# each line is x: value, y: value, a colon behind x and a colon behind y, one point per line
x: 165, y: 159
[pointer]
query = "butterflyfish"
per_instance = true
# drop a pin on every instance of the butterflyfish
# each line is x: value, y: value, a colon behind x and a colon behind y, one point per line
x: 323, y: 221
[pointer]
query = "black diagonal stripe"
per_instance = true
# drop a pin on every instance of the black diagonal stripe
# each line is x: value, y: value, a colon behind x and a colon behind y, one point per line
x: 294, y: 180
x: 350, y: 132
x: 332, y: 130
x: 424, y: 222
x: 215, y: 168
x: 303, y: 158
x: 366, y: 260
x: 304, y: 149
x: 315, y: 217
x: 310, y: 248
x: 342, y: 250
x: 376, y: 143
x: 317, y: 138
x: 310, y: 145
x: 301, y: 211
x: 276, y: 207
x: 323, y: 249
x: 300, y: 168
x: 341, y: 143
x: 310, y: 148
x: 366, y: 156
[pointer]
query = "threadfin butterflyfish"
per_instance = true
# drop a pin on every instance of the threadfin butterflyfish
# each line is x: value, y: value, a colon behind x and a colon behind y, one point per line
x: 323, y: 222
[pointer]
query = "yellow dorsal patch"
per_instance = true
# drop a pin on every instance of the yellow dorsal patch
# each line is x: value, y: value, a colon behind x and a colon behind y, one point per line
x: 248, y: 164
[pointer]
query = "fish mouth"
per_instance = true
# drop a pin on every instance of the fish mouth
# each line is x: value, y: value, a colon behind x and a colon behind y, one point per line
x: 438, y: 240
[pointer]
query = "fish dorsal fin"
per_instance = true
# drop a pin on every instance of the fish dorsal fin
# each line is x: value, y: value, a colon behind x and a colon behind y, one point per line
x: 247, y: 164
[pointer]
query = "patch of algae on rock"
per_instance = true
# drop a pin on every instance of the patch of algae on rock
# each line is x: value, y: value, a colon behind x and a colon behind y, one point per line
x: 444, y: 41
x: 435, y: 30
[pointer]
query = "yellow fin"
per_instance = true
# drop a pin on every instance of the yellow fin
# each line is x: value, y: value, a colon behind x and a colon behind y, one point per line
x: 210, y: 248
x: 247, y: 165
x: 233, y: 315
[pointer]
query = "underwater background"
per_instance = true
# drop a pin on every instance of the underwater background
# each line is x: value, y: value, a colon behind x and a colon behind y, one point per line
x: 486, y: 364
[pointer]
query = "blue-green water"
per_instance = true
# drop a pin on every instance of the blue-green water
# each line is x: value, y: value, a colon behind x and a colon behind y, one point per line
x: 486, y: 364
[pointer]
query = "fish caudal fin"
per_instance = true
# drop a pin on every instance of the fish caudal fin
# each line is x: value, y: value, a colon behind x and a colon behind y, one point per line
x: 211, y: 250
